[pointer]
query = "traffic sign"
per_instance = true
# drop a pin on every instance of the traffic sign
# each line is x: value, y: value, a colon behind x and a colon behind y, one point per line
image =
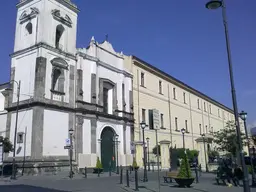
x: 67, y: 142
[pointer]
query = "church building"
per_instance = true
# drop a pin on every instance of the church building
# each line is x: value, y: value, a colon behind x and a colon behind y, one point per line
x: 64, y: 90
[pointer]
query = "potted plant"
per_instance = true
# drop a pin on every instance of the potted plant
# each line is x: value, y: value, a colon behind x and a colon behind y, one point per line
x: 98, y: 168
x: 184, y: 177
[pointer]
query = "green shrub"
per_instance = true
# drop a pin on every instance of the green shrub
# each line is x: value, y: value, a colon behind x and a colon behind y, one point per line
x: 98, y: 164
x: 185, y: 171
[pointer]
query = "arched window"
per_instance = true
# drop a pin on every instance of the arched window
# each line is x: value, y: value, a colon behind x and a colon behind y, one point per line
x: 55, y: 79
x: 59, y: 33
x: 29, y: 28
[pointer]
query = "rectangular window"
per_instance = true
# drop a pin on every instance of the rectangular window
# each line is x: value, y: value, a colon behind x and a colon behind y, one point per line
x: 218, y: 112
x: 174, y: 93
x: 105, y: 100
x: 176, y: 124
x: 210, y: 108
x: 184, y: 97
x: 150, y: 119
x: 186, y: 125
x: 160, y: 87
x: 143, y: 115
x: 206, y: 129
x: 20, y: 137
x: 200, y: 129
x: 204, y: 106
x: 162, y: 120
x: 142, y: 79
x: 198, y: 103
x: 212, y: 130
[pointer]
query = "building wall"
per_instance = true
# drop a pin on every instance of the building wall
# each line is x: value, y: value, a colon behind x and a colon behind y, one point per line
x: 3, y: 114
x: 191, y: 109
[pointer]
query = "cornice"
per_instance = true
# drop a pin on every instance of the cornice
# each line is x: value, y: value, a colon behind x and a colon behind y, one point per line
x: 103, y: 64
x: 66, y: 3
x: 46, y: 46
x: 142, y: 64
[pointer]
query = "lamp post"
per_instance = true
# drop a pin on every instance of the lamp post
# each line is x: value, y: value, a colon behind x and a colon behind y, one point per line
x: 214, y: 4
x: 71, y: 132
x: 205, y: 157
x: 117, y: 163
x: 243, y: 116
x: 143, y: 126
x: 183, y: 137
x: 15, y: 130
x: 148, y: 153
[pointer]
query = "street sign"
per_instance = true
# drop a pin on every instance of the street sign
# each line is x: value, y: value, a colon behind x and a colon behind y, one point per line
x: 67, y: 147
x: 67, y: 142
x: 132, y: 147
x: 1, y: 153
x: 156, y: 117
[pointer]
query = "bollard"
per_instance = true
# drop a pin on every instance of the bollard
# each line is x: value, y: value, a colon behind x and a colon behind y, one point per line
x: 127, y: 178
x: 130, y: 169
x: 85, y: 172
x: 121, y: 175
x: 136, y: 180
x: 196, y: 171
x: 98, y: 172
x: 109, y: 171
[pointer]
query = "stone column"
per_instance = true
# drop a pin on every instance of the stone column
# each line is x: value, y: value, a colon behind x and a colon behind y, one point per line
x: 139, y: 153
x: 202, y: 152
x: 165, y: 154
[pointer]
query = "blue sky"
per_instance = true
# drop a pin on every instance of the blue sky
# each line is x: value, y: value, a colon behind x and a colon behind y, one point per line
x: 182, y: 38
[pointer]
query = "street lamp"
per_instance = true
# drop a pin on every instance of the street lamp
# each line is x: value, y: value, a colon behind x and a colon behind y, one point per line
x: 183, y: 137
x: 117, y: 163
x: 205, y: 157
x: 214, y: 5
x: 148, y: 153
x: 243, y: 116
x: 16, y: 128
x: 143, y: 126
x: 71, y: 132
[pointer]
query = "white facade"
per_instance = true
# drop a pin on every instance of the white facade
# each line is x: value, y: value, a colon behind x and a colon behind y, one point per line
x: 64, y: 88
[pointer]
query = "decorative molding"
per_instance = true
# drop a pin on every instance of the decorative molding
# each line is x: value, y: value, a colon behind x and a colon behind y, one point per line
x: 25, y: 16
x: 103, y: 64
x: 59, y: 62
x: 80, y: 120
x: 46, y: 46
x: 63, y: 19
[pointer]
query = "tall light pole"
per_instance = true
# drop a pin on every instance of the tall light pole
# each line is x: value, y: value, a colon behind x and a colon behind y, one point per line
x: 243, y: 116
x: 143, y: 126
x: 183, y: 138
x: 148, y: 153
x: 214, y: 4
x: 16, y: 128
x: 205, y: 156
x: 71, y: 132
x: 117, y: 163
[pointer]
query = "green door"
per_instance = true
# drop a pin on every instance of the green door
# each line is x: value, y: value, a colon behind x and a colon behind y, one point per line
x: 108, y: 157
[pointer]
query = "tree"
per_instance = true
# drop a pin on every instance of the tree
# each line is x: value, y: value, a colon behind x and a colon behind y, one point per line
x: 185, y: 170
x: 6, y: 143
x: 226, y: 139
x: 155, y: 150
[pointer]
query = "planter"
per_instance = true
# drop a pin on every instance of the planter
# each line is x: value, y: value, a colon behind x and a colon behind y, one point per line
x: 184, y: 182
x: 96, y: 170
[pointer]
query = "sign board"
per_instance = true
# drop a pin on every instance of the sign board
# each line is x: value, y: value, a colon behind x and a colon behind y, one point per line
x: 156, y: 116
x: 67, y: 141
x: 132, y: 147
x: 1, y: 153
x: 67, y: 147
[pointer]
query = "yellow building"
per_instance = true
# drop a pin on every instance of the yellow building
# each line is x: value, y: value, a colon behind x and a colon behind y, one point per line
x: 179, y: 105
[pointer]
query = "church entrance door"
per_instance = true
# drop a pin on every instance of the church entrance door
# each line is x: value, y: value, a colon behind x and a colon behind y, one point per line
x: 108, y: 156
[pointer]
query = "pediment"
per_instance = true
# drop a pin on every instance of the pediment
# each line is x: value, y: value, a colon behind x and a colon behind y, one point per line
x: 28, y: 15
x: 64, y: 19
x: 108, y: 47
x: 59, y: 62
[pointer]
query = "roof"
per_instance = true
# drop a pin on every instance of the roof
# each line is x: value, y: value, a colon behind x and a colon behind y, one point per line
x: 4, y: 85
x: 183, y: 85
